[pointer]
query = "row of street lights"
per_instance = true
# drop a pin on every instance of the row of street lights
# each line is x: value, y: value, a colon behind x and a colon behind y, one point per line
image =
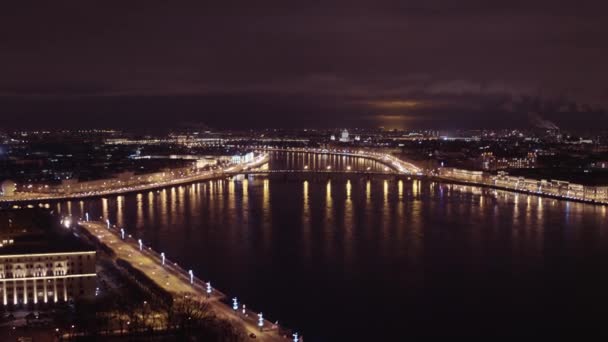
x: 208, y: 287
x: 348, y: 168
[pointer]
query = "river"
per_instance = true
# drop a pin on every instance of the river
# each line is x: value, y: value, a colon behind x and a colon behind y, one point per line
x: 348, y: 258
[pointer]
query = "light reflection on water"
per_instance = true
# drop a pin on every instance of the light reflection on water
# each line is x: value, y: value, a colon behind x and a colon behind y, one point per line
x: 422, y: 253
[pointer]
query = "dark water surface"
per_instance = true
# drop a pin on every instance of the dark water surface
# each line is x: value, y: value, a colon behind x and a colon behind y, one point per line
x: 352, y: 259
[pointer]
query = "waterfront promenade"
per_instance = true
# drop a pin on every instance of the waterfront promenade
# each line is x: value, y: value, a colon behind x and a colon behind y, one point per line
x: 173, y: 279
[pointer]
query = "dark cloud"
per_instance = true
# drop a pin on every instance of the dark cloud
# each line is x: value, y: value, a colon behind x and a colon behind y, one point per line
x: 319, y: 63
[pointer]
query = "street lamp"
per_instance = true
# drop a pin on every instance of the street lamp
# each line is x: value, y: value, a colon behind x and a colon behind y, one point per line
x: 191, y: 276
x: 122, y: 233
x: 162, y: 257
x: 108, y: 223
x: 141, y: 244
x: 208, y: 288
x: 86, y: 217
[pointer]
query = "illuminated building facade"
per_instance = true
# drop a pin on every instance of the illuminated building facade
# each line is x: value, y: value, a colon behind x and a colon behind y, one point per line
x: 243, y: 158
x: 344, y: 137
x: 42, y: 262
x: 46, y: 277
x: 559, y: 188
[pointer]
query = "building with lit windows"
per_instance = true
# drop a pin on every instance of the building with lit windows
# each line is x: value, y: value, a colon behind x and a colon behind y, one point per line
x: 490, y: 162
x: 42, y: 266
x: 243, y: 158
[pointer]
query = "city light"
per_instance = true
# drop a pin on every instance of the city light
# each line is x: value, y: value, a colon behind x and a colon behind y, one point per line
x: 208, y: 288
x: 201, y: 185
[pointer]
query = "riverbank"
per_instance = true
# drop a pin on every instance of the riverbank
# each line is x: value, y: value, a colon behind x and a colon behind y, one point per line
x: 521, y: 191
x: 174, y: 280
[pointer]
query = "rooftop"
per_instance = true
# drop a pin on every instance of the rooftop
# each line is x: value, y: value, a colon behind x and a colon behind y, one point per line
x: 36, y: 232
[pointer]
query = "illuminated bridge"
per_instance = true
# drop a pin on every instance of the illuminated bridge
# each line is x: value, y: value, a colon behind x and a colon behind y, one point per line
x: 309, y: 171
x: 398, y: 165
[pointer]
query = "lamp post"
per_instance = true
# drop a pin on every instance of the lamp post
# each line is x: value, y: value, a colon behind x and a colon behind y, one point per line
x: 108, y: 223
x: 162, y: 257
x: 191, y: 276
x: 86, y: 217
x: 141, y: 244
x: 122, y: 233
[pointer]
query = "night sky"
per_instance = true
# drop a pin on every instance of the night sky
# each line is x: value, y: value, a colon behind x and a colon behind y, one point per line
x: 397, y: 64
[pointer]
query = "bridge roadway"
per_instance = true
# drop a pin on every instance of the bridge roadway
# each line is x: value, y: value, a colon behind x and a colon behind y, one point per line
x: 308, y: 171
x: 175, y: 280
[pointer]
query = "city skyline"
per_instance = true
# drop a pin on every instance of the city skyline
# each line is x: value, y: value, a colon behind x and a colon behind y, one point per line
x: 340, y: 170
x: 337, y: 64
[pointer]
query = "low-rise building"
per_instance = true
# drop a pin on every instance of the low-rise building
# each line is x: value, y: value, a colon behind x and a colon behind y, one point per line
x: 42, y: 266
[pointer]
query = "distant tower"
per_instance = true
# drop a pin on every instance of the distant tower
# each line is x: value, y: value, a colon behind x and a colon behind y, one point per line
x: 344, y: 136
